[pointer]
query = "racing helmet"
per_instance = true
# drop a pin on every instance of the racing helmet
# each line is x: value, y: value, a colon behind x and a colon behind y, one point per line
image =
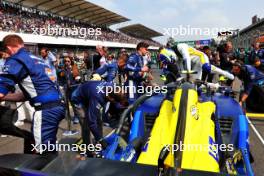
x: 167, y: 56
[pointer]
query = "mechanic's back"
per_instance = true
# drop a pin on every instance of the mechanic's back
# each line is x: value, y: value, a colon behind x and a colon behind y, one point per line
x: 91, y: 90
x: 30, y: 73
x: 32, y: 76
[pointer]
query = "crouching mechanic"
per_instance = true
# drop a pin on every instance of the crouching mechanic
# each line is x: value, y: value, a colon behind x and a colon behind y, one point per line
x: 168, y: 59
x: 92, y: 97
x: 252, y: 78
x: 31, y: 74
x: 197, y: 61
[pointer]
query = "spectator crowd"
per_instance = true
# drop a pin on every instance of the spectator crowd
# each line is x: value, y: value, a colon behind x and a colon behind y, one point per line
x: 16, y: 18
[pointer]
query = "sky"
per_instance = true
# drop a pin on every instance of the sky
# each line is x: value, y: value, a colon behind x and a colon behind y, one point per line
x: 176, y: 17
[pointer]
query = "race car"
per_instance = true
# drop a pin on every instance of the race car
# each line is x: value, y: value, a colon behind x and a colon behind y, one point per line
x: 190, y: 117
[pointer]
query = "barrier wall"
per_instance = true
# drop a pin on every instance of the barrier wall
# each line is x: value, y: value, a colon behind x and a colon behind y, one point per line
x: 31, y: 38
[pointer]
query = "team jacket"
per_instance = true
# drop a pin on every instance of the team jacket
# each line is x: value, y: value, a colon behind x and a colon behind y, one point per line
x: 33, y: 77
x: 133, y: 67
x: 108, y: 70
x: 251, y: 77
x: 92, y: 97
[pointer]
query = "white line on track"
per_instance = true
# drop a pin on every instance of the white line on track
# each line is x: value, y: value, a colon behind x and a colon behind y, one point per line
x: 256, y: 131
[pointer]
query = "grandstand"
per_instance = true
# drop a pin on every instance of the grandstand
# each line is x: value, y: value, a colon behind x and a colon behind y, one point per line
x: 140, y: 31
x: 66, y: 22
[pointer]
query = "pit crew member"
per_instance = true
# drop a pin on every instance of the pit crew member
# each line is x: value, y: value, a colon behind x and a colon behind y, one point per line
x: 136, y: 71
x: 30, y: 73
x: 92, y: 97
x: 251, y: 77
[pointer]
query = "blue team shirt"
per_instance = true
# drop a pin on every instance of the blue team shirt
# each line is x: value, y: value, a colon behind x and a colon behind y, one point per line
x: 32, y: 76
x: 252, y: 77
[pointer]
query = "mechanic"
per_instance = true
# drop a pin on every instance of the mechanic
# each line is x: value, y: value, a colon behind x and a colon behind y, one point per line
x: 108, y: 71
x: 168, y: 59
x: 29, y: 72
x: 7, y: 115
x: 250, y: 76
x: 92, y: 97
x: 136, y: 71
x: 190, y: 56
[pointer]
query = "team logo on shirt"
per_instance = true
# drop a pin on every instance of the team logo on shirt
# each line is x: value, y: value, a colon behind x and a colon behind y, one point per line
x: 50, y: 74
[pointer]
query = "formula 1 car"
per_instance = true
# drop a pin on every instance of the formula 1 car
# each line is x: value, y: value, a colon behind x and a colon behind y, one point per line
x: 152, y: 128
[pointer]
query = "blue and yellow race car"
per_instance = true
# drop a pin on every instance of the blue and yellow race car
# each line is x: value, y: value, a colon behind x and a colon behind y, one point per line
x: 188, y: 129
